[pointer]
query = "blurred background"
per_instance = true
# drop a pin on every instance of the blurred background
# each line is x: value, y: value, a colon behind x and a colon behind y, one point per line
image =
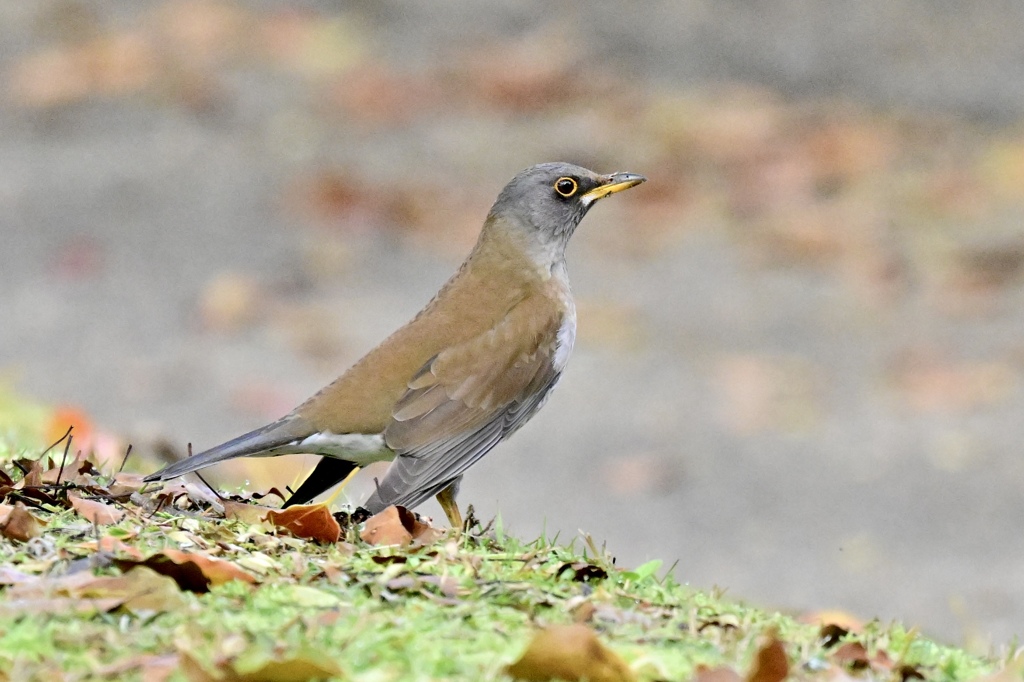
x: 801, y: 343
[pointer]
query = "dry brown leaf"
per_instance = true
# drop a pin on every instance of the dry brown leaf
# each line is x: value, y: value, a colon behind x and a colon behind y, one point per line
x: 246, y: 512
x: 855, y: 656
x: 13, y: 608
x: 296, y: 667
x: 719, y: 674
x: 69, y: 471
x: 33, y: 477
x: 151, y: 592
x: 376, y: 96
x: 202, y: 32
x: 126, y: 483
x: 309, y: 521
x: 544, y: 75
x: 386, y: 528
x: 154, y: 668
x: 569, y: 652
x: 20, y: 525
x: 927, y: 382
x: 771, y: 664
x: 109, y: 65
x: 97, y: 512
x: 584, y: 613
x: 140, y: 590
x: 396, y: 525
x: 192, y: 571
x: 112, y: 545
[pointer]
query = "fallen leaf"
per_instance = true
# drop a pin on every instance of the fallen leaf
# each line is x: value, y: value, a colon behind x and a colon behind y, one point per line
x: 126, y: 483
x: 988, y: 268
x: 112, y: 545
x: 571, y: 653
x: 396, y: 525
x: 13, y: 608
x: 853, y: 655
x: 245, y: 512
x: 386, y: 528
x: 154, y: 668
x: 909, y: 672
x: 140, y: 590
x: 108, y: 65
x: 254, y: 665
x: 771, y: 664
x: 33, y: 477
x: 97, y: 512
x: 192, y: 571
x: 831, y: 635
x: 146, y: 592
x: 928, y: 382
x: 308, y: 521
x: 78, y: 470
x: 544, y: 75
x: 376, y: 96
x: 20, y: 525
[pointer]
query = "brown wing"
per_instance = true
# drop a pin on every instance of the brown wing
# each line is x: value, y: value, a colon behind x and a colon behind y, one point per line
x: 466, y: 399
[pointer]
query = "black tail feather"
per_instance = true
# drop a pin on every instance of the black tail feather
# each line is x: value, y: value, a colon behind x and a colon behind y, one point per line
x: 328, y: 473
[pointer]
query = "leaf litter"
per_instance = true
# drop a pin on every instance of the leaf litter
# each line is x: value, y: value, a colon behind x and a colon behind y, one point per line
x: 218, y: 587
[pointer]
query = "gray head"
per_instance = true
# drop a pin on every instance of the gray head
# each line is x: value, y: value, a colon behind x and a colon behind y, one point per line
x: 550, y: 199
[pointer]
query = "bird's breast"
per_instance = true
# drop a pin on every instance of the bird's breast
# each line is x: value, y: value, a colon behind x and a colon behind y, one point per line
x: 565, y: 338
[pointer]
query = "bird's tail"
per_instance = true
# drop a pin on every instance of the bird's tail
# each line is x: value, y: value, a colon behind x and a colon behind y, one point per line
x: 262, y: 441
x: 328, y: 473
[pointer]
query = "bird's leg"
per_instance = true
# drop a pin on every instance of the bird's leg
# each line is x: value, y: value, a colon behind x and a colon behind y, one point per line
x: 446, y: 498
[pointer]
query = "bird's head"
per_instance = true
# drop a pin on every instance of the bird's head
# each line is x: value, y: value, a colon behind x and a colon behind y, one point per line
x: 546, y: 202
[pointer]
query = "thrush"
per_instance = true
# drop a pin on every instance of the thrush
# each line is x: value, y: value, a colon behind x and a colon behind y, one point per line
x: 464, y: 374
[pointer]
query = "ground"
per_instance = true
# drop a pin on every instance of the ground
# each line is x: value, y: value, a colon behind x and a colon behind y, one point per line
x: 799, y: 361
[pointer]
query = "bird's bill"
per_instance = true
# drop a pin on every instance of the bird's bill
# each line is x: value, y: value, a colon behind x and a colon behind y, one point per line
x: 616, y: 182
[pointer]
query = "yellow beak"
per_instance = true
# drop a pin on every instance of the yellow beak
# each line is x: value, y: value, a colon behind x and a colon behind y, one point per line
x: 616, y: 182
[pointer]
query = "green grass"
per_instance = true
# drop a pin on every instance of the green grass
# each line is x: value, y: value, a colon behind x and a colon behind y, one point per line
x: 458, y: 609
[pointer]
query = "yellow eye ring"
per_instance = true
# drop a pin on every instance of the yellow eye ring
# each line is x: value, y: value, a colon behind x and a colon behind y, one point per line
x: 566, y: 187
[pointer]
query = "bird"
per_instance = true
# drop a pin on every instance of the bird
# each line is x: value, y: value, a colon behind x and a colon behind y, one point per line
x: 465, y: 373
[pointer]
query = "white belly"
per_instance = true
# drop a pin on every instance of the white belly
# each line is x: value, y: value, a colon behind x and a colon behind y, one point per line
x: 359, y: 448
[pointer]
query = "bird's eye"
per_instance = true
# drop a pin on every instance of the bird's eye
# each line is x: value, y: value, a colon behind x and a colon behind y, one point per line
x: 566, y: 187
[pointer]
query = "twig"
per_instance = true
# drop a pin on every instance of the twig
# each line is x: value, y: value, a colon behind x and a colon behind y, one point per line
x: 212, y: 489
x: 125, y: 460
x: 57, y: 442
x: 64, y: 459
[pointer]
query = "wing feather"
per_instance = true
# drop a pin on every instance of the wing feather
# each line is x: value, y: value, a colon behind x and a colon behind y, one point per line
x: 467, y: 399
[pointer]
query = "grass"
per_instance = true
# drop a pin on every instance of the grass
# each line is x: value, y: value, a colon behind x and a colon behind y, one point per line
x: 461, y: 608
